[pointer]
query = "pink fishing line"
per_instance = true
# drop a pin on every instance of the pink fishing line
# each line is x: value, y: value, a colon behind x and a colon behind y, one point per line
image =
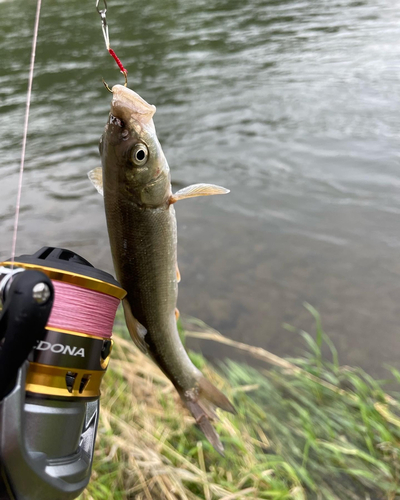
x: 83, y: 311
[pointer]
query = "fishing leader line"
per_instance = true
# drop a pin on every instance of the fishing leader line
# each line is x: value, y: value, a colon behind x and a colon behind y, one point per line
x: 104, y: 27
x: 25, y: 134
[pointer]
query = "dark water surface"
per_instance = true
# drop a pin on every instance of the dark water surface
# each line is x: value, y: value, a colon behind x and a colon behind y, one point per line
x: 293, y: 105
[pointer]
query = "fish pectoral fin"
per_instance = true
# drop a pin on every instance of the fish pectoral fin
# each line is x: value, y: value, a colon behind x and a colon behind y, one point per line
x: 202, y: 402
x: 96, y: 178
x: 177, y: 313
x: 197, y: 190
x: 136, y: 330
x: 178, y: 274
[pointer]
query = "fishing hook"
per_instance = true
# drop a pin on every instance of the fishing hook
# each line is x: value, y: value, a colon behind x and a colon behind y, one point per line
x: 106, y: 85
x: 125, y: 73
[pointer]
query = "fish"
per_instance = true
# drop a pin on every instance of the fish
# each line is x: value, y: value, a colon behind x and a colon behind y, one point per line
x: 135, y: 181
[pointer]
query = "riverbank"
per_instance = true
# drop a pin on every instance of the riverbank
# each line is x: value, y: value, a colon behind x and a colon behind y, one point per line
x: 306, y: 428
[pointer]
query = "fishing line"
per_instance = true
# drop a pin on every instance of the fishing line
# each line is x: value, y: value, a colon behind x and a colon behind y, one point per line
x: 75, y: 308
x: 24, y: 138
x: 82, y: 310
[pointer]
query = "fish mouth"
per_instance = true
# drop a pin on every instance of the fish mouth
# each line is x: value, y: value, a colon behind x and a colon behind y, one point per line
x: 127, y: 104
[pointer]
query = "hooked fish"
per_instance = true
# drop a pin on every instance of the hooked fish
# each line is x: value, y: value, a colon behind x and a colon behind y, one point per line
x: 139, y: 204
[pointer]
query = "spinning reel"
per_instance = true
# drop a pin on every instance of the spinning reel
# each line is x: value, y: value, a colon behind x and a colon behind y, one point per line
x: 55, y: 346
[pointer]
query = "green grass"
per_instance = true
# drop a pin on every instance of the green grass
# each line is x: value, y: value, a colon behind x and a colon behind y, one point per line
x: 305, y: 428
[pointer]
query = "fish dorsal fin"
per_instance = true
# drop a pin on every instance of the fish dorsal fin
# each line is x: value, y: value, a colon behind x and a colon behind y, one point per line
x: 96, y: 178
x: 136, y: 330
x: 197, y: 190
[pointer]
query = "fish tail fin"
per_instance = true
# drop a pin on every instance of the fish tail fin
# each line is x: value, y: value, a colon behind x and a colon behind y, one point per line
x: 202, y: 407
x: 211, y: 394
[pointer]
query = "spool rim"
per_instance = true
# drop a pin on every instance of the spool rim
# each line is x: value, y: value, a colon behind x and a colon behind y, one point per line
x: 74, y: 279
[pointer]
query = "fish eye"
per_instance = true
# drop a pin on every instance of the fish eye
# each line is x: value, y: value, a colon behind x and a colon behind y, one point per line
x: 139, y: 154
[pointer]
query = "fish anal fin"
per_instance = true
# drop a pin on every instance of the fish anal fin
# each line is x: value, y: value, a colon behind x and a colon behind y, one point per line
x: 197, y: 190
x: 96, y: 178
x: 136, y: 330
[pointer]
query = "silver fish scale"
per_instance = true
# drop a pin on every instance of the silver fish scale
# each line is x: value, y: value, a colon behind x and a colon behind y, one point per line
x: 143, y: 245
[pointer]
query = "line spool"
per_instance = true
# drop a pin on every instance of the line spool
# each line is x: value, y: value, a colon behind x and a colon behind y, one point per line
x: 71, y: 360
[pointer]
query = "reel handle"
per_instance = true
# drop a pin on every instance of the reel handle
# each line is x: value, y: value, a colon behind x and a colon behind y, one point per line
x: 26, y: 310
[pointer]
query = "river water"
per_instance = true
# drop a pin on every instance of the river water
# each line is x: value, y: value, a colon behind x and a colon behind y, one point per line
x: 293, y: 105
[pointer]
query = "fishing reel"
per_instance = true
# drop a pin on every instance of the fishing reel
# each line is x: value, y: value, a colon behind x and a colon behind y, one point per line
x: 55, y: 346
